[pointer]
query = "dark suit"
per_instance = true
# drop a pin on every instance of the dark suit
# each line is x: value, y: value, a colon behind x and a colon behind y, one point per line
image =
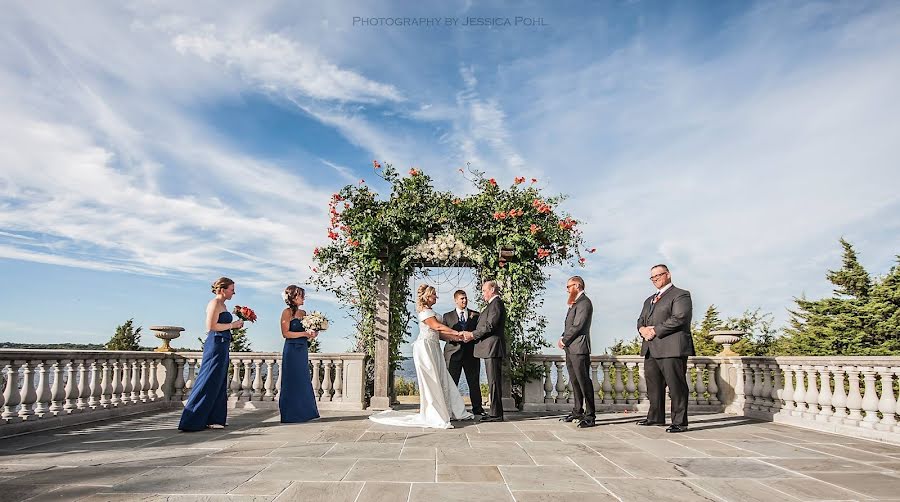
x: 665, y: 356
x: 461, y: 356
x: 490, y: 345
x: 576, y: 339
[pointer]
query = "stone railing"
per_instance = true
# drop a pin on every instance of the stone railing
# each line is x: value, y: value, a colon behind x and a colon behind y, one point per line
x: 255, y: 379
x: 620, y: 385
x: 49, y: 388
x: 855, y: 396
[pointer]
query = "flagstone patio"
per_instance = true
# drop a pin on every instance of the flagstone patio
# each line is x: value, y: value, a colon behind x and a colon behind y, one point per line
x: 531, y: 457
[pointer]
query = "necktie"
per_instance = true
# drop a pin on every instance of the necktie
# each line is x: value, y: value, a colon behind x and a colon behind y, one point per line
x: 462, y: 316
x: 656, y: 299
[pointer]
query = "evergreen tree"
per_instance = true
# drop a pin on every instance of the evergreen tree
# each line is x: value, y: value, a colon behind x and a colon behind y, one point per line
x: 861, y: 320
x: 623, y: 348
x: 703, y: 342
x: 127, y: 337
x: 239, y: 341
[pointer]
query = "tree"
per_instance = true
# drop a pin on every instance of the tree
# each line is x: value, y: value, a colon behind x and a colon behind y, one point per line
x: 239, y: 341
x: 623, y: 348
x: 703, y: 342
x: 127, y: 337
x: 862, y: 319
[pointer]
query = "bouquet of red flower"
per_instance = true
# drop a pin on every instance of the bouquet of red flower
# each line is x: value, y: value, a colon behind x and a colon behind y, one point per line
x: 244, y: 313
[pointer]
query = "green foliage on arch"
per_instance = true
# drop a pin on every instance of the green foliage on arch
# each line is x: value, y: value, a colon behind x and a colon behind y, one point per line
x: 419, y: 226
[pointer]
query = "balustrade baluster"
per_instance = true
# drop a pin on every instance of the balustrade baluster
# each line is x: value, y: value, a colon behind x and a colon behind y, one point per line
x: 777, y: 387
x: 84, y: 387
x: 642, y: 384
x: 560, y: 382
x: 72, y: 390
x: 317, y: 382
x: 812, y: 393
x: 699, y: 385
x: 607, y: 385
x: 235, y: 378
x: 896, y: 371
x: 800, y: 408
x: 854, y: 398
x: 94, y: 389
x: 116, y: 383
x: 42, y: 400
x: 327, y: 381
x: 105, y: 387
x: 690, y: 384
x: 145, y: 381
x: 870, y: 399
x: 888, y: 403
x: 58, y: 388
x: 839, y: 399
x: 338, y: 380
x: 27, y: 391
x: 595, y: 378
x: 153, y: 371
x: 125, y: 393
x: 278, y: 367
x: 246, y: 386
x: 548, y: 382
x: 629, y: 383
x: 270, y: 381
x: 189, y: 383
x: 788, y: 393
x: 135, y: 381
x: 765, y: 395
x: 257, y: 381
x: 825, y: 395
x: 713, y: 386
x: 11, y: 394
x: 618, y: 387
x: 178, y: 390
x: 758, y: 399
x: 748, y: 387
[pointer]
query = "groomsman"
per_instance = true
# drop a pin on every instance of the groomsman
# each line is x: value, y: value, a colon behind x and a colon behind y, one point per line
x: 460, y: 356
x: 576, y: 342
x: 665, y: 326
x: 490, y: 338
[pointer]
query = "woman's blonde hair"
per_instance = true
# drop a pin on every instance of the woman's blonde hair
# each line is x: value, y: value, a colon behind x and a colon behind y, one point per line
x: 423, y: 292
x: 221, y: 283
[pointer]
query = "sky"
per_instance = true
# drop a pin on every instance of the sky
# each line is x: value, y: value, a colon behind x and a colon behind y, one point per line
x: 147, y: 148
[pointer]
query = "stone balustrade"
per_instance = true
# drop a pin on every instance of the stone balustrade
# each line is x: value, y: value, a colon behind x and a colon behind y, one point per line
x: 619, y: 382
x: 255, y: 379
x: 49, y: 388
x: 855, y: 396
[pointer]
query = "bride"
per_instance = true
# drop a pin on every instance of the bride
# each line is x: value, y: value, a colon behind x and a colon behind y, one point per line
x: 439, y: 398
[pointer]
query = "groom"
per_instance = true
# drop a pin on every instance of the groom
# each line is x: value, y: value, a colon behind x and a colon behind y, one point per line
x: 490, y: 345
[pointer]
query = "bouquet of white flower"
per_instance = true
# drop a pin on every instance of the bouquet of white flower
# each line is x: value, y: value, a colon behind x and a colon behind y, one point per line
x: 315, y: 321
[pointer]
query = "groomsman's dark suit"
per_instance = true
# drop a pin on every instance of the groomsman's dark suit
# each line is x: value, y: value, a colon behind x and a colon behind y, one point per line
x: 461, y: 356
x: 491, y: 346
x: 665, y: 356
x: 576, y: 339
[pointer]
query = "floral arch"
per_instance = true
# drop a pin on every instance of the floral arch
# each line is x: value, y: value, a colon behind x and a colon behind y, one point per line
x: 376, y: 245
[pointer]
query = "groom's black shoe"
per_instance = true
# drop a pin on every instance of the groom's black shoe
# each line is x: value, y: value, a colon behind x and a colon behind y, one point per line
x: 648, y: 422
x: 587, y: 422
x: 492, y: 419
x: 571, y: 417
x: 677, y: 428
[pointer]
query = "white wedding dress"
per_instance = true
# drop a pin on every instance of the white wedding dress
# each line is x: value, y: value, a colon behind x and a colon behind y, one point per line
x: 439, y: 398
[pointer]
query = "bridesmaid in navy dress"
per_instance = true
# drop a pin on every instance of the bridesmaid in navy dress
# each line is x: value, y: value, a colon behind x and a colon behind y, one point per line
x: 206, y: 407
x: 296, y: 399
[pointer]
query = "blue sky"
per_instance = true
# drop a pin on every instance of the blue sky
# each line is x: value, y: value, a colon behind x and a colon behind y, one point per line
x: 151, y: 147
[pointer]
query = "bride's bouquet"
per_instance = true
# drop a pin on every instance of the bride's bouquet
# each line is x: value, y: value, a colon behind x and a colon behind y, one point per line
x: 315, y: 321
x: 244, y: 313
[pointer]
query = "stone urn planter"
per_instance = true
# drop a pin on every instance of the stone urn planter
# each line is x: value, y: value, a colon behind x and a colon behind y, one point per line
x: 166, y: 333
x: 726, y: 338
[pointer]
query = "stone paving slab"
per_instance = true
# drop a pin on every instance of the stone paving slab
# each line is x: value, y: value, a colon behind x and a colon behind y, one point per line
x: 529, y: 457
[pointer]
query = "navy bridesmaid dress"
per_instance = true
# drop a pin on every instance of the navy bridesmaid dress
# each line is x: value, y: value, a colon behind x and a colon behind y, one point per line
x: 207, y: 404
x: 296, y: 399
